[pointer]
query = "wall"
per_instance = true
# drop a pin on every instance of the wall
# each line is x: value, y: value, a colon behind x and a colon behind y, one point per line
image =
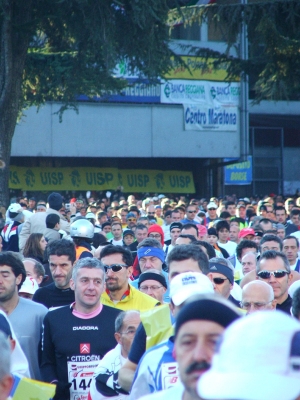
x: 117, y: 130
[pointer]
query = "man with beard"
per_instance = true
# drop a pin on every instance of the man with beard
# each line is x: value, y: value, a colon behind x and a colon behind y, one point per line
x: 61, y: 256
x: 199, y: 325
x: 117, y: 262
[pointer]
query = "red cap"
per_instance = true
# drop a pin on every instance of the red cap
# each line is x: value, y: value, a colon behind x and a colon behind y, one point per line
x: 246, y: 231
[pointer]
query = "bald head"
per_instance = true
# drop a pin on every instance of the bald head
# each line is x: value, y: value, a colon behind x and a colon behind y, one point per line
x: 249, y: 262
x: 258, y: 295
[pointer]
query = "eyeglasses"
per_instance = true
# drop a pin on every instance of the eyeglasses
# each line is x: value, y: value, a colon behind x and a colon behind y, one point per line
x: 130, y: 332
x: 158, y: 236
x: 277, y: 274
x: 219, y: 281
x: 145, y: 288
x: 256, y: 305
x: 114, y: 267
x: 131, y: 219
x: 192, y: 212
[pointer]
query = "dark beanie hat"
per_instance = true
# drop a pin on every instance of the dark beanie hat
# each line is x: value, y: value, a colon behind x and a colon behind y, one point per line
x: 177, y: 225
x: 152, y: 276
x: 55, y: 201
x: 206, y: 309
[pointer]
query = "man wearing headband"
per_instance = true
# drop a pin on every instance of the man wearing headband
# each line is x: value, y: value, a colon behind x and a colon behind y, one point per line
x: 119, y: 294
x: 221, y: 273
x: 198, y: 328
x: 153, y: 283
x: 151, y: 256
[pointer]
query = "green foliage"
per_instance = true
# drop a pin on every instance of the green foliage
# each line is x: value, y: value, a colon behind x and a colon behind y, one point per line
x: 76, y: 44
x: 274, y: 43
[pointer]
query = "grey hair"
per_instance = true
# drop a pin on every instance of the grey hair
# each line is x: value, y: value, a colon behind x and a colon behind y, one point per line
x: 87, y: 262
x: 5, y: 359
x: 38, y: 267
x: 223, y: 261
x: 272, y: 255
x: 263, y: 284
x: 150, y: 242
x: 120, y: 319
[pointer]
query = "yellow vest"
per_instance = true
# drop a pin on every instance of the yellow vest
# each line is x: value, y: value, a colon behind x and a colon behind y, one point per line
x: 136, y: 300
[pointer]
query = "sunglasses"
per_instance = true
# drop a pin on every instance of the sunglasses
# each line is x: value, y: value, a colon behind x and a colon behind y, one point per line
x: 277, y: 274
x: 131, y: 219
x: 212, y: 209
x: 219, y: 281
x: 192, y: 212
x: 114, y: 267
x: 151, y: 213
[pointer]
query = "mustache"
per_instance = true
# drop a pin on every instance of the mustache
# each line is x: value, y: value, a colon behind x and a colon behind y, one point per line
x: 196, y: 366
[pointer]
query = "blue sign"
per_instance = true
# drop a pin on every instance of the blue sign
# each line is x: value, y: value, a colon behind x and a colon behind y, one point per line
x: 239, y: 173
x: 135, y: 92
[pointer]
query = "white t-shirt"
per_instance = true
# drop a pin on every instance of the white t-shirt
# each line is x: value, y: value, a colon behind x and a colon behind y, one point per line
x: 229, y: 247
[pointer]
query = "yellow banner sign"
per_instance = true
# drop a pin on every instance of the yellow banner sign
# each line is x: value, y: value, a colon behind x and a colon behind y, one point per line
x: 44, y: 179
x: 156, y: 181
x: 63, y: 178
x: 199, y: 69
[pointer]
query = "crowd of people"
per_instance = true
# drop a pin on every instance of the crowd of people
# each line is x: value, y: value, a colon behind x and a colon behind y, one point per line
x: 158, y: 298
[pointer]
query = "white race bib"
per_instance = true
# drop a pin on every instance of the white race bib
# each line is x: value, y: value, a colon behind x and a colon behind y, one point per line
x: 169, y: 375
x: 80, y: 376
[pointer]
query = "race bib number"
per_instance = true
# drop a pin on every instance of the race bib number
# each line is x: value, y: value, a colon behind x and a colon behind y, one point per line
x: 169, y: 375
x: 80, y: 376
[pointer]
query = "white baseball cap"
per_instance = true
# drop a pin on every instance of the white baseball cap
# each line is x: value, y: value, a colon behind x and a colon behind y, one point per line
x: 258, y: 359
x: 29, y: 286
x: 187, y: 284
x: 15, y: 208
x: 212, y: 204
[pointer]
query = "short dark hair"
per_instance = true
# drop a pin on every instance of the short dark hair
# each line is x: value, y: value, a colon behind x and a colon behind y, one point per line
x: 209, y: 248
x: 111, y: 249
x: 292, y: 237
x: 296, y: 303
x: 101, y: 214
x: 269, y: 238
x: 229, y: 203
x: 150, y: 242
x: 142, y: 226
x: 52, y: 220
x: 295, y: 211
x: 13, y: 260
x: 263, y: 208
x: 186, y: 251
x: 191, y: 237
x: 280, y: 208
x: 168, y: 213
x: 188, y: 226
x: 225, y: 214
x: 62, y: 247
x: 244, y: 244
x: 272, y: 255
x: 222, y: 225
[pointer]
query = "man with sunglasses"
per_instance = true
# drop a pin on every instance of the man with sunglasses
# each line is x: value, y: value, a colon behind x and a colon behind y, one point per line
x: 221, y: 273
x: 119, y: 294
x: 131, y: 220
x: 191, y: 215
x: 274, y: 269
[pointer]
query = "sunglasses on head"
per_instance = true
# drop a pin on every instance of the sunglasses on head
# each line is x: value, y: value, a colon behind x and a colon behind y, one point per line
x: 114, y: 267
x: 277, y: 274
x: 219, y: 281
